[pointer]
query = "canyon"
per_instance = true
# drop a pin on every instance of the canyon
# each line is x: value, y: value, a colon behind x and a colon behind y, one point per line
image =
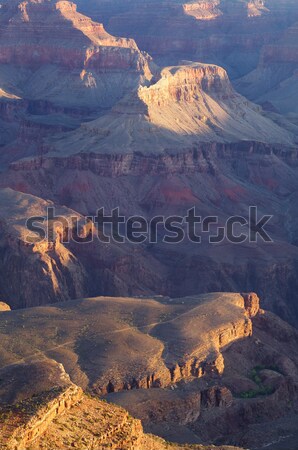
x: 154, y: 108
x: 228, y: 33
x: 178, y: 137
x: 210, y: 359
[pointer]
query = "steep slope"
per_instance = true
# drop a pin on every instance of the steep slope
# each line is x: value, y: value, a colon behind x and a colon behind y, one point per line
x: 227, y: 33
x: 46, y: 269
x: 274, y: 82
x: 190, y: 104
x: 62, y: 51
x: 222, y: 180
x: 171, y: 143
x: 128, y: 329
x: 59, y: 414
x: 215, y: 367
x: 57, y: 66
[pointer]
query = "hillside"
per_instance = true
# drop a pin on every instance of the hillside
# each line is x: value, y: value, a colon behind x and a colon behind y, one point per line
x: 207, y: 358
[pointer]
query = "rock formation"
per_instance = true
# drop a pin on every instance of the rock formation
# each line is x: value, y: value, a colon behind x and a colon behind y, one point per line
x: 46, y: 268
x: 174, y: 349
x: 210, y: 177
x: 223, y: 32
x: 63, y: 417
x: 274, y: 82
x: 91, y: 120
x: 68, y: 67
x: 190, y: 104
x: 215, y: 365
x: 87, y: 117
x: 4, y: 307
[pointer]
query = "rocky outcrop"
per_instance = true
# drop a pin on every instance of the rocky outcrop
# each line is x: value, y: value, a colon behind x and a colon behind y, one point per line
x: 71, y: 55
x: 171, y: 183
x: 216, y: 397
x: 25, y: 252
x: 256, y: 378
x: 72, y: 30
x: 258, y: 385
x: 83, y: 421
x: 185, y: 83
x: 187, y: 345
x: 188, y: 105
x: 174, y: 141
x: 203, y: 10
x: 198, y: 29
x: 69, y: 68
x: 251, y: 304
x: 28, y: 420
x: 4, y: 307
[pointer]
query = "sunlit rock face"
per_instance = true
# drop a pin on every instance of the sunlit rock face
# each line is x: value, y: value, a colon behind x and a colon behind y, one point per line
x: 48, y: 270
x: 54, y: 56
x: 4, y: 307
x: 215, y: 364
x: 59, y: 68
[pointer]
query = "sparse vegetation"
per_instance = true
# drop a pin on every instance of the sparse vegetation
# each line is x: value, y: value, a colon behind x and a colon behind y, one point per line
x: 255, y: 377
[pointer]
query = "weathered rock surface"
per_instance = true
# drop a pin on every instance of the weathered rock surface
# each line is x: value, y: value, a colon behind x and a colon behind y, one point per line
x: 181, y: 338
x: 46, y: 269
x: 189, y: 105
x: 68, y: 41
x: 4, y: 307
x: 102, y: 343
x: 215, y: 366
x: 258, y: 386
x: 59, y: 64
x: 274, y: 82
x: 226, y: 178
x: 223, y: 32
x: 86, y: 124
x: 62, y: 417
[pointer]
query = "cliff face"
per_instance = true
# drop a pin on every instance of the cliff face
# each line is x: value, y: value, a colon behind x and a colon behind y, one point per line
x: 40, y: 406
x: 77, y: 43
x: 188, y: 105
x: 67, y: 418
x: 172, y: 142
x: 21, y: 429
x: 184, y: 84
x: 49, y: 263
x: 58, y: 68
x: 274, y: 82
x: 197, y: 29
x: 174, y: 348
x: 4, y: 307
x: 52, y: 54
x: 202, y: 10
x: 228, y: 177
x: 252, y: 378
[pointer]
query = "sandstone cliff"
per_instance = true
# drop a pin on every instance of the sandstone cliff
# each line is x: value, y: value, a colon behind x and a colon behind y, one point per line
x: 174, y: 347
x: 4, y: 307
x: 230, y: 32
x: 46, y: 268
x: 68, y: 61
x: 104, y: 340
x: 64, y: 417
x: 189, y: 104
